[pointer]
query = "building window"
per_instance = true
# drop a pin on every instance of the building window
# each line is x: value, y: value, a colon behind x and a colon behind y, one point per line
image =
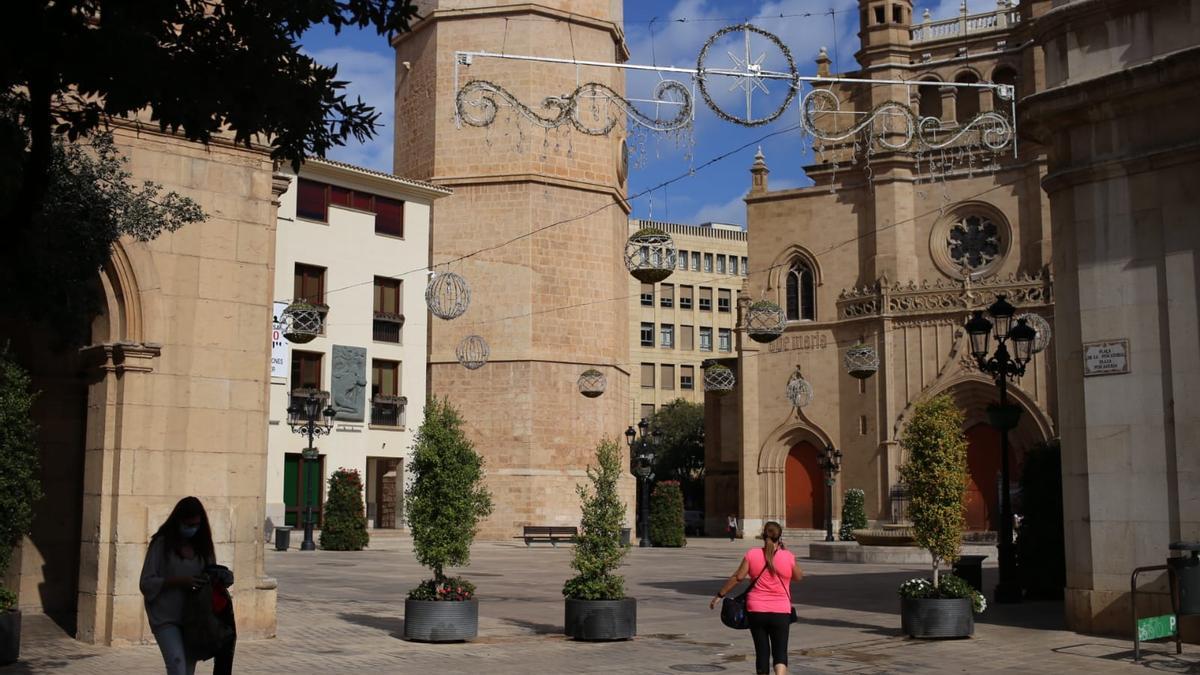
x: 647, y: 334
x: 733, y: 264
x: 685, y: 297
x: 705, y: 339
x: 647, y: 376
x: 647, y: 295
x: 387, y: 318
x: 687, y: 377
x: 309, y: 284
x: 974, y: 242
x: 695, y: 261
x: 720, y: 264
x: 666, y: 295
x: 724, y: 296
x: 387, y: 407
x: 800, y: 297
x: 312, y: 200
x: 647, y: 410
x: 668, y: 376
x: 705, y: 299
x: 708, y: 262
x: 667, y: 336
x: 686, y: 337
x: 389, y: 217
x: 306, y: 370
x: 682, y: 260
x: 724, y: 340
x: 745, y: 267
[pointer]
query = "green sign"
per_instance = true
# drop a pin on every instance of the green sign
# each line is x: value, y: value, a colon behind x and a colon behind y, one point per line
x: 1154, y: 627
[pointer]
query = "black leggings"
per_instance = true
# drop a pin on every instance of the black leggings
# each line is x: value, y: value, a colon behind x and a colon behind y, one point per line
x: 770, y: 633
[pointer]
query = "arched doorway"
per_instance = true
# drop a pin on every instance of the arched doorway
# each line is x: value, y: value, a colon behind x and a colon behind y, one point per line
x: 982, y: 500
x: 805, y: 498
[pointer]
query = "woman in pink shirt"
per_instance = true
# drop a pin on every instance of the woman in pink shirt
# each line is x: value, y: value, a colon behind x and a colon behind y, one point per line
x: 769, y: 605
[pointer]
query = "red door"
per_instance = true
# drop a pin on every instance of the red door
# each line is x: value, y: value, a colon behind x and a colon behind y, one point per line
x: 983, y: 467
x: 805, y: 488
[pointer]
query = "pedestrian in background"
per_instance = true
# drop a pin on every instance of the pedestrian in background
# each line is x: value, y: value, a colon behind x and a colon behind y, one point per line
x: 731, y: 526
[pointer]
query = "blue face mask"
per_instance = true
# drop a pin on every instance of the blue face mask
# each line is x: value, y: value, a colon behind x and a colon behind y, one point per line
x: 188, y: 531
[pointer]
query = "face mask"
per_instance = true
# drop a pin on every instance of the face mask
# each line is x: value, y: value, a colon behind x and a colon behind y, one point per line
x: 188, y: 531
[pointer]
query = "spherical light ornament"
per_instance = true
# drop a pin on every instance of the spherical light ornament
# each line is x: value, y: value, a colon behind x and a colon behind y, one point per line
x: 302, y: 322
x: 650, y: 255
x: 718, y: 379
x: 765, y: 321
x: 447, y: 295
x: 799, y: 391
x: 861, y: 361
x: 592, y: 383
x: 1039, y: 324
x: 472, y: 352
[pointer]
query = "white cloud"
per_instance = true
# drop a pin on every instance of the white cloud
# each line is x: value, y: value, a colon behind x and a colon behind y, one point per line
x: 370, y: 76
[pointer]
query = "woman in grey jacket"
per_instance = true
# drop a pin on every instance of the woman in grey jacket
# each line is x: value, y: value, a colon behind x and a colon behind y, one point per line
x: 175, y: 565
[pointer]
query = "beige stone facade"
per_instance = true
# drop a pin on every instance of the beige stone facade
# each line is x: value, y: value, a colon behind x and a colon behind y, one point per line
x: 675, y: 325
x: 511, y: 184
x: 169, y: 400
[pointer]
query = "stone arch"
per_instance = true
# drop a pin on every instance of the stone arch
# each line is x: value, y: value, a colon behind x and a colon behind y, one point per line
x: 968, y: 100
x: 773, y: 461
x: 123, y: 317
x: 778, y: 278
x: 777, y: 273
x: 929, y: 96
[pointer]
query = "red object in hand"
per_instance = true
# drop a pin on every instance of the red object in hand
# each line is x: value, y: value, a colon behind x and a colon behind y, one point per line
x: 220, y: 601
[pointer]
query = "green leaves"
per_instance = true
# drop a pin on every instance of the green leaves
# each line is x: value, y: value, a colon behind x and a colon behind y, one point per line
x: 345, y: 524
x: 666, y: 515
x: 681, y: 450
x: 447, y: 497
x: 936, y: 476
x: 20, y: 487
x: 598, y: 549
x: 854, y: 514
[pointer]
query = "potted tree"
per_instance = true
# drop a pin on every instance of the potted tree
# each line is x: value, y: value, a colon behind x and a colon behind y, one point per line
x: 19, y: 488
x: 596, y: 606
x: 666, y: 515
x: 936, y: 476
x: 854, y: 514
x: 446, y: 500
x: 345, y: 525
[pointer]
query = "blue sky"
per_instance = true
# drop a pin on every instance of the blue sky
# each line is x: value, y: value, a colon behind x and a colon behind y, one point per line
x: 664, y: 32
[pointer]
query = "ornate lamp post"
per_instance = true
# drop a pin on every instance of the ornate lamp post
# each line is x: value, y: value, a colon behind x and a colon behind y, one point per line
x: 643, y: 444
x: 309, y: 419
x: 1003, y: 366
x: 831, y: 462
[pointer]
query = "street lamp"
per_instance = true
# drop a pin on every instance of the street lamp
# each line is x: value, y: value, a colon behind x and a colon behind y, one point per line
x: 1003, y: 366
x: 643, y: 445
x: 307, y: 417
x: 831, y: 462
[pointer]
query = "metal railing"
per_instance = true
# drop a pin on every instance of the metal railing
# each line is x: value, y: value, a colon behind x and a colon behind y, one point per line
x: 386, y: 327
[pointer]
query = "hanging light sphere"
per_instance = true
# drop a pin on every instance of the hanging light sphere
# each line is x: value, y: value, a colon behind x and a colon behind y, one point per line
x: 1039, y: 324
x: 592, y: 383
x: 765, y: 321
x: 799, y: 391
x: 448, y: 295
x: 302, y: 322
x: 718, y: 379
x: 650, y: 255
x: 861, y: 361
x: 472, y: 352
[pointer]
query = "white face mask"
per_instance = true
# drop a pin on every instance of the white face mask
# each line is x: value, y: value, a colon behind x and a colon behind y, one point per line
x: 188, y: 531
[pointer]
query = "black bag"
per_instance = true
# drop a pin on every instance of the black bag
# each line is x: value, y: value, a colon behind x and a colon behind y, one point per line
x: 205, y: 631
x: 733, y: 609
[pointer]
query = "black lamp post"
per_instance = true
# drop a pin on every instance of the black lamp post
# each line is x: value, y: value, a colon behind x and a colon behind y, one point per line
x: 643, y: 444
x: 831, y: 462
x: 309, y: 419
x: 1003, y: 366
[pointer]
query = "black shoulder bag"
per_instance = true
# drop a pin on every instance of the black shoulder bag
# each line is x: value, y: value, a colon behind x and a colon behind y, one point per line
x: 733, y: 609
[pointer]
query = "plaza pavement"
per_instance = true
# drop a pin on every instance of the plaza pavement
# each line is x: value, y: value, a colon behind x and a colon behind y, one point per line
x: 343, y: 613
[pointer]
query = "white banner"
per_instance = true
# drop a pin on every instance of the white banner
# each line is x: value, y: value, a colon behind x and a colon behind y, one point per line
x: 279, y: 346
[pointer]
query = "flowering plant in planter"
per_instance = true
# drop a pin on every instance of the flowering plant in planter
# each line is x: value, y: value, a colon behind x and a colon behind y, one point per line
x: 449, y: 588
x: 948, y: 587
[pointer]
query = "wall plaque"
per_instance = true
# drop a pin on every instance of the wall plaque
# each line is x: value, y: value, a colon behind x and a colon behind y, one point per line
x: 1110, y: 357
x: 349, y: 382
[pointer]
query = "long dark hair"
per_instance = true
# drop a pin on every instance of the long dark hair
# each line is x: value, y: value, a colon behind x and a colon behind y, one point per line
x: 772, y: 533
x: 202, y: 542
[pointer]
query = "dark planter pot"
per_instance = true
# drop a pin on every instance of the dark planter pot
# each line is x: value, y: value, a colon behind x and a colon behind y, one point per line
x: 441, y: 621
x: 10, y: 636
x: 600, y: 619
x: 937, y: 617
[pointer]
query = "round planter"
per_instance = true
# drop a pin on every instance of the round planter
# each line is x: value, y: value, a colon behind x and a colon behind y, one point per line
x: 600, y: 619
x: 937, y: 617
x: 10, y: 636
x: 441, y: 621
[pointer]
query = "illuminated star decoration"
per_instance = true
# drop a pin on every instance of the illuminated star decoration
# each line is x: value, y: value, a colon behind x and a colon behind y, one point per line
x: 753, y: 80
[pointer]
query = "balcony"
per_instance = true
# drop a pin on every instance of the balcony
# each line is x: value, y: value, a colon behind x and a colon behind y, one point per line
x: 386, y: 327
x: 388, y: 411
x: 1003, y: 18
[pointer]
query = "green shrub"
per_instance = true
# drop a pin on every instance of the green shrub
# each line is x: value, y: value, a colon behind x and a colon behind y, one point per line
x: 20, y: 486
x: 854, y: 513
x: 450, y: 588
x: 948, y: 587
x: 447, y: 497
x: 666, y: 515
x: 345, y: 526
x: 598, y: 549
x: 1041, y: 556
x: 936, y: 476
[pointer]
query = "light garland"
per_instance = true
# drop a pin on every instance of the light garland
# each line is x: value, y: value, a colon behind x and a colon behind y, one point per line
x: 799, y: 391
x: 472, y: 352
x: 750, y: 82
x: 592, y: 383
x: 448, y: 295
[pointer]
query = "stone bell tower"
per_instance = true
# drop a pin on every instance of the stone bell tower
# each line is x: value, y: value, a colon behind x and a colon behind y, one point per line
x: 541, y: 216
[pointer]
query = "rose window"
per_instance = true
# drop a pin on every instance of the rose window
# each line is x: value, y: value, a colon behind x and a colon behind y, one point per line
x: 974, y: 242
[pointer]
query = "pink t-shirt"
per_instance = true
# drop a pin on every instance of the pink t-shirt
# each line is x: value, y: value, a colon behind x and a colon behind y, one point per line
x: 770, y: 593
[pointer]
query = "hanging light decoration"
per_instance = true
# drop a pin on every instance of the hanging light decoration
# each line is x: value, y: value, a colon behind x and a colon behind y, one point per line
x: 472, y: 352
x: 765, y: 321
x: 861, y: 361
x: 718, y: 379
x: 799, y: 391
x: 592, y: 383
x: 448, y: 295
x: 1039, y: 324
x: 302, y: 322
x: 650, y: 255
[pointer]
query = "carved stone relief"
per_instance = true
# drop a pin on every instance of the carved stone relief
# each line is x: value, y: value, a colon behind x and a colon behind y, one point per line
x: 349, y: 383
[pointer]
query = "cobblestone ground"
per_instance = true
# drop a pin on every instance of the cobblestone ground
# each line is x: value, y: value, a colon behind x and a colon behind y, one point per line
x: 343, y: 613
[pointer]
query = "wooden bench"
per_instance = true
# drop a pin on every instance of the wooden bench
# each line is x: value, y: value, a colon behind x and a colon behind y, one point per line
x: 550, y: 533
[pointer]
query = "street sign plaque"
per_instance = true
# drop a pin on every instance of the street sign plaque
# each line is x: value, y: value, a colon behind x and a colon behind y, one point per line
x: 1155, y: 627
